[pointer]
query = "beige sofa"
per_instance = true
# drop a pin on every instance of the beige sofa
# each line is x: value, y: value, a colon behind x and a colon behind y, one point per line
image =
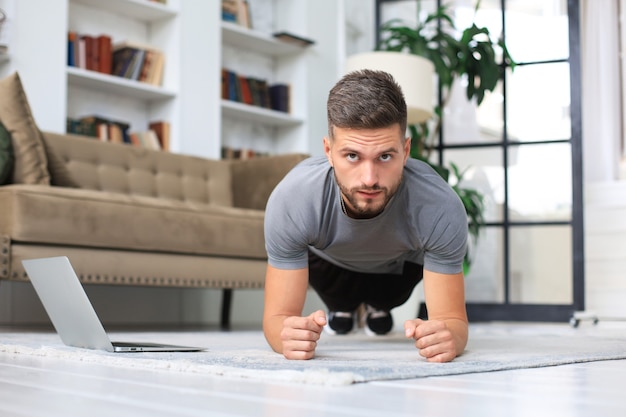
x: 131, y: 216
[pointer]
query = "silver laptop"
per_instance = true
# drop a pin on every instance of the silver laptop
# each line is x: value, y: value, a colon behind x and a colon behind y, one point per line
x: 71, y: 312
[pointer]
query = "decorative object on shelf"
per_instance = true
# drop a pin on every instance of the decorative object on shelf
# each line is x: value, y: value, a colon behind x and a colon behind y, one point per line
x: 294, y: 39
x: 472, y: 56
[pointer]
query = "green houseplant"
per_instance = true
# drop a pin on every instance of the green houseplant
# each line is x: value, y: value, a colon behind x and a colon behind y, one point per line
x: 470, y: 53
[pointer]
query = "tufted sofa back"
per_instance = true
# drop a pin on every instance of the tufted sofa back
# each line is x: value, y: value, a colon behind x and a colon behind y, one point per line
x: 87, y: 163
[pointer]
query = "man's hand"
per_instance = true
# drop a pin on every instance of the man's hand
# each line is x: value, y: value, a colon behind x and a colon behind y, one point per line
x: 433, y: 338
x: 300, y: 335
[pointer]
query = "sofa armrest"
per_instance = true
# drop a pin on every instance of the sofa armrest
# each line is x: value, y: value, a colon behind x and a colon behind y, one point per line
x: 253, y: 180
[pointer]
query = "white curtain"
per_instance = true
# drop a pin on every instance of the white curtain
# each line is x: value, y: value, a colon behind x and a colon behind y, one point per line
x: 601, y: 89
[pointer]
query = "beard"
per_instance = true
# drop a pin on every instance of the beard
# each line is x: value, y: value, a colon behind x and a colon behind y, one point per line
x: 365, y: 208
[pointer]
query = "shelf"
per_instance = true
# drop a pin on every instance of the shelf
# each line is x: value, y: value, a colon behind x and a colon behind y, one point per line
x: 255, y: 41
x: 116, y: 85
x: 257, y: 114
x: 143, y: 10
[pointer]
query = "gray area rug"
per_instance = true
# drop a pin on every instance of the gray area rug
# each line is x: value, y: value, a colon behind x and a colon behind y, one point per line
x: 342, y: 360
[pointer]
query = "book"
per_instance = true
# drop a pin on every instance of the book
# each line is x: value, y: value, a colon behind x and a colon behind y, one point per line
x: 280, y: 97
x: 244, y: 88
x: 155, y: 72
x: 233, y: 89
x: 82, y: 53
x: 99, y: 127
x: 105, y: 54
x: 147, y: 67
x: 139, y: 62
x: 89, y: 51
x: 162, y: 130
x: 243, y: 14
x: 72, y: 39
x: 224, y: 84
x: 134, y: 69
x: 122, y: 59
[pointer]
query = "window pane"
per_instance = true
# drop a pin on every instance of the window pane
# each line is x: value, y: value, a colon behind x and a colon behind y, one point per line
x: 464, y: 122
x: 484, y: 283
x: 406, y: 10
x: 540, y: 182
x: 541, y: 265
x: 483, y: 173
x: 538, y: 103
x: 537, y: 30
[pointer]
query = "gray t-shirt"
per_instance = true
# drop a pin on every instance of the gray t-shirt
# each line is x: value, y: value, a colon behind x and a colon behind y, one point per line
x: 425, y: 223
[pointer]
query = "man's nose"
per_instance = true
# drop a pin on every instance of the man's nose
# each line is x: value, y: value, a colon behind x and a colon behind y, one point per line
x: 369, y: 174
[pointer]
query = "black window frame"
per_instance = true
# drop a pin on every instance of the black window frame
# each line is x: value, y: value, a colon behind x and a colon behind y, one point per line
x: 526, y: 311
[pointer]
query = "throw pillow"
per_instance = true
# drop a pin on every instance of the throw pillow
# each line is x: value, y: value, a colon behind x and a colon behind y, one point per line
x: 31, y: 165
x: 6, y: 156
x: 59, y: 174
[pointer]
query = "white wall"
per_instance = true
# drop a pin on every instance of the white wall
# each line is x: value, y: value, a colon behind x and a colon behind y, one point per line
x: 603, y: 133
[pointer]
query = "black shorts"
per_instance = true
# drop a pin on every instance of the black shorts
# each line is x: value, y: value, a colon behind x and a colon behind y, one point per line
x: 344, y: 290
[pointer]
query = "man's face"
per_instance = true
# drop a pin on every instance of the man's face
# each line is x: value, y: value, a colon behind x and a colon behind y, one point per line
x: 368, y: 167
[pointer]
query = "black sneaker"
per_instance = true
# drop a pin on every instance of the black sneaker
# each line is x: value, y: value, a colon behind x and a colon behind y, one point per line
x: 340, y: 322
x: 378, y: 322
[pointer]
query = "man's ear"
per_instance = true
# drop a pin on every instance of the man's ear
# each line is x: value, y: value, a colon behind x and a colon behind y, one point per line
x: 327, y: 149
x: 407, y: 149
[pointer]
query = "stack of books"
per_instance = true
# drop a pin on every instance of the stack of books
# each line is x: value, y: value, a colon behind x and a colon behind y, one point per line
x: 255, y: 91
x: 157, y: 136
x: 129, y: 60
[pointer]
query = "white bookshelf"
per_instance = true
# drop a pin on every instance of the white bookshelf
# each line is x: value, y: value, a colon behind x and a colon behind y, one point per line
x: 256, y: 114
x: 197, y: 44
x: 256, y: 53
x: 138, y: 21
x: 254, y: 40
x: 110, y: 84
x: 142, y: 10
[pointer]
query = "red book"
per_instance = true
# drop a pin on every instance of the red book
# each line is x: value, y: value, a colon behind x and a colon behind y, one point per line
x: 89, y: 51
x: 105, y: 52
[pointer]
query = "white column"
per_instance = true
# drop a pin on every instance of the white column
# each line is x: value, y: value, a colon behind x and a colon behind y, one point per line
x: 600, y: 90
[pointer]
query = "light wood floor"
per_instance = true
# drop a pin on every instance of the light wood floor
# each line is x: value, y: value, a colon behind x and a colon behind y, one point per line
x: 31, y: 386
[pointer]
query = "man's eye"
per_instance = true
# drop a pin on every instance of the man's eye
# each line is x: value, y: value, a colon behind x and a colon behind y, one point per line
x: 385, y: 157
x: 352, y: 157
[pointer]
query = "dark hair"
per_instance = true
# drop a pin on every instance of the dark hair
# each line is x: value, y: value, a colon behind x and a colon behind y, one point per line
x: 366, y: 99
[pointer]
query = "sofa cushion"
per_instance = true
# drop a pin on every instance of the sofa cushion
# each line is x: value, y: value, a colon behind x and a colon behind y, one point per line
x: 251, y: 190
x: 89, y: 218
x: 6, y: 156
x: 31, y: 165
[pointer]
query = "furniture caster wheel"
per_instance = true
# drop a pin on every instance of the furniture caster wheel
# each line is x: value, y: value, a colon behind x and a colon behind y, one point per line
x: 574, y: 322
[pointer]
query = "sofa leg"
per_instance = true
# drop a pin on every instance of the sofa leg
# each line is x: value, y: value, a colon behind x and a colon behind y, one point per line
x: 227, y: 297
